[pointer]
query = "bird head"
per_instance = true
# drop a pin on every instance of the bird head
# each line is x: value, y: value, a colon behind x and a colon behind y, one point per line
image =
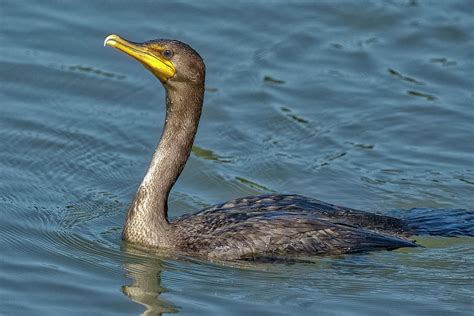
x: 170, y: 61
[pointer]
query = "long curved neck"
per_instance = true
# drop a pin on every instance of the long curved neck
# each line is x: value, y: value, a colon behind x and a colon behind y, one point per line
x: 147, y: 220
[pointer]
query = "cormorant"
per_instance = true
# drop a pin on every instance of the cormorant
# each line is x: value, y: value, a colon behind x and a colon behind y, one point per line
x: 249, y: 228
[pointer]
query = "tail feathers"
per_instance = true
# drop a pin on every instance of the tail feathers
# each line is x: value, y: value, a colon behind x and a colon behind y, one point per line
x: 439, y: 222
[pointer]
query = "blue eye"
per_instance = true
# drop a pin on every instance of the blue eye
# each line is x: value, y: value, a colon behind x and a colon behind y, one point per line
x: 167, y: 53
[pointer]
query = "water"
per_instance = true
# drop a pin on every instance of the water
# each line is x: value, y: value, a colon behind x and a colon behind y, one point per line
x: 367, y: 104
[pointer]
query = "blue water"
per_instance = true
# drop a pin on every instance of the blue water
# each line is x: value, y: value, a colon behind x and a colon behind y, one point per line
x: 366, y: 104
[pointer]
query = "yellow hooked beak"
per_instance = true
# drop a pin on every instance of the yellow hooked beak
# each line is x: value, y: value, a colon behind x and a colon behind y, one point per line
x: 151, y: 59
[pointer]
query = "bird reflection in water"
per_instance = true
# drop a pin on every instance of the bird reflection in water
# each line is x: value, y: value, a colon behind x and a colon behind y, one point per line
x: 145, y: 288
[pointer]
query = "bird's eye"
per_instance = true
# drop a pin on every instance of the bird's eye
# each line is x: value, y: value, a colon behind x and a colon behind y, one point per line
x: 167, y: 53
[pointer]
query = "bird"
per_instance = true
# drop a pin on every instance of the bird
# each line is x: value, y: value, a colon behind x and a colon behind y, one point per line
x: 253, y: 228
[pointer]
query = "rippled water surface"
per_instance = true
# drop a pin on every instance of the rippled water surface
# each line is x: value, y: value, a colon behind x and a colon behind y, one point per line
x: 367, y: 104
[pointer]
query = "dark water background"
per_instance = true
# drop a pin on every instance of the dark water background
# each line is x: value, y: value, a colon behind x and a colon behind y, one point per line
x: 367, y: 104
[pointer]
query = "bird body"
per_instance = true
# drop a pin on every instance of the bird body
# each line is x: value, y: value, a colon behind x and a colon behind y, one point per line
x: 250, y: 228
x: 281, y: 226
